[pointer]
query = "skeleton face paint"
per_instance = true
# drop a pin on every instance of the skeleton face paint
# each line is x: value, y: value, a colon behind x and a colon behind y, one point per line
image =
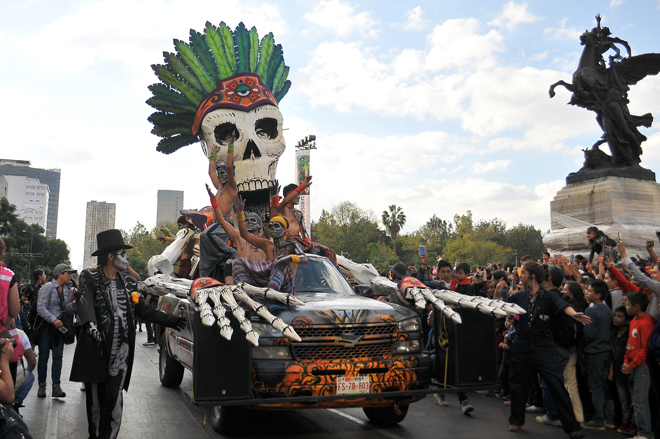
x: 222, y: 173
x: 121, y: 260
x: 276, y: 229
x: 253, y: 222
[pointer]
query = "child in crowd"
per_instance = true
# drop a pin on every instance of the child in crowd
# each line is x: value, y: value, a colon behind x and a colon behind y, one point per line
x: 597, y: 354
x: 618, y: 342
x: 509, y: 336
x: 634, y: 363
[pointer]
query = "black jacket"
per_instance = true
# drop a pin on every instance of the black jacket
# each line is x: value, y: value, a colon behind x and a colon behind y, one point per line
x: 90, y: 364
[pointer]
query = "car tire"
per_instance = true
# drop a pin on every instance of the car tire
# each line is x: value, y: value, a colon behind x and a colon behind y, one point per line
x: 385, y: 415
x: 225, y: 419
x: 170, y: 370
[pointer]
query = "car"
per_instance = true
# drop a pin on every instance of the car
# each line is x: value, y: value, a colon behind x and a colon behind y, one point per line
x: 354, y: 352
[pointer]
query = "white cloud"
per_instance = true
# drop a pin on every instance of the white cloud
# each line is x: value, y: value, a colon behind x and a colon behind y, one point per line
x: 615, y: 3
x: 562, y: 32
x: 539, y: 56
x: 512, y: 15
x: 341, y: 18
x: 414, y: 20
x: 104, y: 31
x: 497, y: 165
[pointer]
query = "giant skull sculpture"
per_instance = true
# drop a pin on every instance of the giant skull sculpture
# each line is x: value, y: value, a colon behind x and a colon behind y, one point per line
x: 258, y: 146
x: 224, y: 81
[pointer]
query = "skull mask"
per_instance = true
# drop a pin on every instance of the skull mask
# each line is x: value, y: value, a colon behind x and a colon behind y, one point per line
x: 275, y: 229
x: 253, y: 222
x: 258, y: 146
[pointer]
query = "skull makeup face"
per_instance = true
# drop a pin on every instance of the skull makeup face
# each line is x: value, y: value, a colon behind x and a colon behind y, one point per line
x: 275, y: 229
x: 222, y: 173
x: 253, y: 222
x: 257, y: 148
x: 120, y: 260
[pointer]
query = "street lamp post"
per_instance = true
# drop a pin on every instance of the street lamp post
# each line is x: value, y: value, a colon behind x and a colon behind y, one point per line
x: 30, y: 257
x: 303, y: 148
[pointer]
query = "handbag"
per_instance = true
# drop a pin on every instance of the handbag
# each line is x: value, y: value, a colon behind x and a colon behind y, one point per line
x: 69, y: 336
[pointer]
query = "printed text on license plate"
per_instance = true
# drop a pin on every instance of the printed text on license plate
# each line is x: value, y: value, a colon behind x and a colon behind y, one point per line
x: 352, y: 385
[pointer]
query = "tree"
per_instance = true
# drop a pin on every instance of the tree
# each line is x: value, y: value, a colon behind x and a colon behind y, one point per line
x: 393, y: 220
x: 22, y: 239
x: 145, y: 245
x: 526, y: 240
x: 435, y: 234
x: 348, y: 229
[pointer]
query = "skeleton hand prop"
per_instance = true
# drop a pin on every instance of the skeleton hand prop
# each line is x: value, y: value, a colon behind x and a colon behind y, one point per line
x: 439, y: 304
x: 94, y: 333
x: 261, y: 310
x: 245, y: 325
x: 219, y: 310
x: 270, y: 294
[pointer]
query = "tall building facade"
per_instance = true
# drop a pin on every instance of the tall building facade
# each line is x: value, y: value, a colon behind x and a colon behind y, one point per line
x: 169, y: 205
x: 30, y: 197
x: 100, y: 217
x: 50, y: 177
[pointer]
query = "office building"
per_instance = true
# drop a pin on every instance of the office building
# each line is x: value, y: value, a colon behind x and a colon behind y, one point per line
x: 30, y: 197
x: 100, y: 217
x: 169, y: 205
x: 50, y: 177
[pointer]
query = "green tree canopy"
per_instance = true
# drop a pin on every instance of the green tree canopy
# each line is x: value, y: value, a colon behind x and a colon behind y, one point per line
x: 348, y: 229
x: 145, y: 245
x: 393, y: 220
x: 23, y: 239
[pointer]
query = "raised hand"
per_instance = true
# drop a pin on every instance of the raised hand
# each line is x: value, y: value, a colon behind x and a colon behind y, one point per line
x: 239, y: 204
x: 275, y: 189
x: 211, y: 194
x: 622, y: 249
x: 308, y: 181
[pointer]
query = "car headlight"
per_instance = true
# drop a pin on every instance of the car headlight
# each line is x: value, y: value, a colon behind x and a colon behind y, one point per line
x: 408, y: 346
x: 271, y: 353
x: 410, y: 325
x: 266, y: 330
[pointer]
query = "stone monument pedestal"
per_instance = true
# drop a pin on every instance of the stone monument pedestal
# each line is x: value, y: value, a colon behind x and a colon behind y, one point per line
x: 613, y: 204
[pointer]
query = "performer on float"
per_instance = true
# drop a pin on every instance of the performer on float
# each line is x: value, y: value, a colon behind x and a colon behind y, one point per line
x: 286, y: 209
x: 214, y: 242
x: 244, y: 248
x: 104, y: 353
x: 276, y: 272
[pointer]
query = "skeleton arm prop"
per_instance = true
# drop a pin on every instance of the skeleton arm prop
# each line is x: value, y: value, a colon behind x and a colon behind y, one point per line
x: 438, y: 298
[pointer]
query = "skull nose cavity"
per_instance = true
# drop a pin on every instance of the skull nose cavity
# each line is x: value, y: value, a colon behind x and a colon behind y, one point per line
x: 251, y: 151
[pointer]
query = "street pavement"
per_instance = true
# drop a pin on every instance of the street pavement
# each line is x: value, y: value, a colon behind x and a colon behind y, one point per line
x: 152, y: 411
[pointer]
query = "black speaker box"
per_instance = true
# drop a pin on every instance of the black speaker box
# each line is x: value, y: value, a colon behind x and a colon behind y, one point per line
x: 221, y: 368
x: 471, y: 354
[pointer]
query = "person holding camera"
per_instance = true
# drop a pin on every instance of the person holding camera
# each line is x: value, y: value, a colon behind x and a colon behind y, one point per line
x: 54, y: 299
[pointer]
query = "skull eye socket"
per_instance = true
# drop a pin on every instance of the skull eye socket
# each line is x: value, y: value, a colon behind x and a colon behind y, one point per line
x: 223, y: 132
x: 266, y: 128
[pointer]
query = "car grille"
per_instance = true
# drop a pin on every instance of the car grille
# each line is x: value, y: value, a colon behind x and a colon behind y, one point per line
x: 334, y: 342
x: 339, y: 331
x: 335, y: 352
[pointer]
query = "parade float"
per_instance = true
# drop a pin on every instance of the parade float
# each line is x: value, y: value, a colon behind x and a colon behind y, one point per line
x: 325, y: 346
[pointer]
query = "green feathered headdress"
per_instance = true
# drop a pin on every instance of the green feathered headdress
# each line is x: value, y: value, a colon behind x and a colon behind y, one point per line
x: 219, y: 68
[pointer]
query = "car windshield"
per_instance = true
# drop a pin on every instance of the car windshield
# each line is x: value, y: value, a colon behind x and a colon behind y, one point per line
x: 320, y: 276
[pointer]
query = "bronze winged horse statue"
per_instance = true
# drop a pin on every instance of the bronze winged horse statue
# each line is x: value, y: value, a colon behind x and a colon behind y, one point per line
x: 604, y: 90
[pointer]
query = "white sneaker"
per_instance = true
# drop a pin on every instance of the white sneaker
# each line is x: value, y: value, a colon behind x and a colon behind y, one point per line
x: 440, y: 397
x: 546, y: 421
x: 466, y: 407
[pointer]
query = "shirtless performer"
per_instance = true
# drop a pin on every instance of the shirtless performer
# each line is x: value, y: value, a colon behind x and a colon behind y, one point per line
x: 244, y: 249
x: 214, y: 242
x: 276, y: 272
x: 286, y: 209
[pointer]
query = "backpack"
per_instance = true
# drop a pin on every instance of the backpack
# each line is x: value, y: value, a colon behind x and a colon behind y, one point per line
x: 566, y: 331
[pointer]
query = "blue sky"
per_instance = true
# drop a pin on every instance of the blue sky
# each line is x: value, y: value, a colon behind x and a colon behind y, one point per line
x: 438, y: 107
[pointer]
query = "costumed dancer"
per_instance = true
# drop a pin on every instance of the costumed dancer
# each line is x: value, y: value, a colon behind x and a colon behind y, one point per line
x: 286, y: 209
x: 244, y: 249
x: 104, y: 354
x: 214, y: 243
x: 276, y: 272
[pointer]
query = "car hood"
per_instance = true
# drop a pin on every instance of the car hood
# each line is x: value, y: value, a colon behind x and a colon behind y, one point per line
x: 331, y: 309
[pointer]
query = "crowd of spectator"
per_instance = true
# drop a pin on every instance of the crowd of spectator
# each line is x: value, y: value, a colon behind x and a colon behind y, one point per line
x: 587, y: 352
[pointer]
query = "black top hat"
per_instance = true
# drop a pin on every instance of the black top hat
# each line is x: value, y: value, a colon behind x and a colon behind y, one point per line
x: 400, y: 270
x: 109, y: 241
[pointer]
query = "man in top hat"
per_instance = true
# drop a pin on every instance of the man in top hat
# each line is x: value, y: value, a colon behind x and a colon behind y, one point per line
x: 104, y: 354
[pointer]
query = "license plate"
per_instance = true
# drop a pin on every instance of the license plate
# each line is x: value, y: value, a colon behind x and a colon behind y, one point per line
x: 352, y: 385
